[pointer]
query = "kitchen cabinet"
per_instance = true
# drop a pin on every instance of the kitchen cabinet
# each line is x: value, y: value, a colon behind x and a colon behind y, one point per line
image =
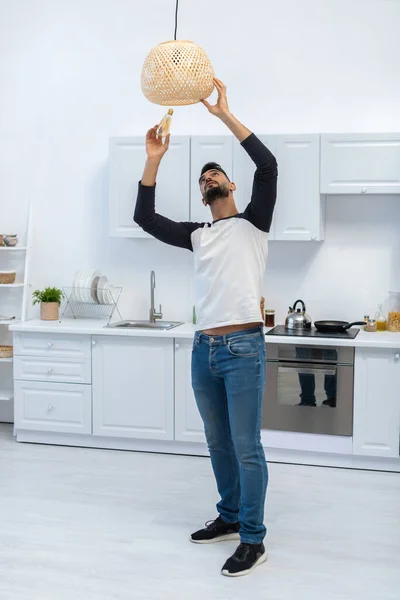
x: 133, y: 387
x: 127, y: 158
x: 204, y: 149
x: 53, y: 407
x: 52, y: 376
x: 360, y: 163
x: 188, y: 423
x: 376, y: 429
x: 299, y: 211
x: 52, y: 369
x: 50, y: 345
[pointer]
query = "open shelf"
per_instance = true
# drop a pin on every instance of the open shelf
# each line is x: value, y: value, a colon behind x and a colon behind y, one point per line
x: 11, y: 285
x: 13, y: 248
x: 6, y: 360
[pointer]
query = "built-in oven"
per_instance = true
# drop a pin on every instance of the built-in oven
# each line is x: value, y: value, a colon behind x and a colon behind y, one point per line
x: 309, y: 389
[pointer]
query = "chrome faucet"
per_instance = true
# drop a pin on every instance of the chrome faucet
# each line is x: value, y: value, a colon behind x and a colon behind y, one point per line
x: 153, y: 313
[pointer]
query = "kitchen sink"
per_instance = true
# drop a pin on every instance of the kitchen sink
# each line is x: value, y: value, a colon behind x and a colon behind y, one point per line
x: 145, y: 325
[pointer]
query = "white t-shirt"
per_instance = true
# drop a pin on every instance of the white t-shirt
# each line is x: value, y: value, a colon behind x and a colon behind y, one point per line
x: 230, y: 254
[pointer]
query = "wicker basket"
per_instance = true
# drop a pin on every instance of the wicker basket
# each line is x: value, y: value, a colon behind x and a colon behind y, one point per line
x: 6, y: 351
x: 7, y: 277
x: 177, y: 73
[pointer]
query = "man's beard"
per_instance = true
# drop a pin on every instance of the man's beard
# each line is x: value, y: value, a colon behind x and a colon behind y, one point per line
x: 215, y: 192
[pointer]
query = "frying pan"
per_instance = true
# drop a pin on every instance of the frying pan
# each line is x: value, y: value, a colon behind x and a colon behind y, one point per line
x: 335, y: 326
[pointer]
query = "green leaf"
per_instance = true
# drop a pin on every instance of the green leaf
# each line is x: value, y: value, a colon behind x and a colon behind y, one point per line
x: 49, y: 294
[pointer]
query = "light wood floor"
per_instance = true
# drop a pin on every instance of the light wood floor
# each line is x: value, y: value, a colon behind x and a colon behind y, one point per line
x: 83, y: 524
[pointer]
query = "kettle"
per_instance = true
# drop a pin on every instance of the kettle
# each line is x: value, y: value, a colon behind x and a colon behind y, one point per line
x: 297, y: 318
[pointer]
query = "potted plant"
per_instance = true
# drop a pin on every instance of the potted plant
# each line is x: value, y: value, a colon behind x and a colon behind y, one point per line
x: 50, y: 300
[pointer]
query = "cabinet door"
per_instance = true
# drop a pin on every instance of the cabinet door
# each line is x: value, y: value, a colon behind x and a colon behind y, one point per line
x: 188, y: 423
x: 58, y: 407
x: 204, y: 149
x: 376, y: 427
x: 298, y: 211
x: 133, y: 387
x: 126, y: 163
x: 243, y: 174
x: 360, y: 163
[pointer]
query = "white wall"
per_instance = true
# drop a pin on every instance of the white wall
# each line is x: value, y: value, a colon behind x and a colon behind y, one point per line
x: 70, y: 78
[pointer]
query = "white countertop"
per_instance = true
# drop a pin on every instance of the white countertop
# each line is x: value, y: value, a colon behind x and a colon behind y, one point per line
x: 384, y: 339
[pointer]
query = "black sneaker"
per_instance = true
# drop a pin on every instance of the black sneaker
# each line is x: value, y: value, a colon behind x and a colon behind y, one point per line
x: 246, y: 558
x: 330, y: 402
x: 216, y: 531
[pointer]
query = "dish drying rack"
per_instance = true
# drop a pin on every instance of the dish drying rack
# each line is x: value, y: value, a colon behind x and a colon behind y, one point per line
x: 90, y: 310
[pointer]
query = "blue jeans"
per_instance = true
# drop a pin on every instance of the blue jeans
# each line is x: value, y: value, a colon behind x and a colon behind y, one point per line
x: 228, y: 378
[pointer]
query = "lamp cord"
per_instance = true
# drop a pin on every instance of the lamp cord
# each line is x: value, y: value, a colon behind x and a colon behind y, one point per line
x: 176, y: 18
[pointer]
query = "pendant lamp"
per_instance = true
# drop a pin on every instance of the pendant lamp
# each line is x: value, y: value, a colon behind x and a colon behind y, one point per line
x: 177, y: 73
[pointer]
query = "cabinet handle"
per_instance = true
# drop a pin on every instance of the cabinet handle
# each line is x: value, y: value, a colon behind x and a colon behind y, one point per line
x: 176, y: 346
x: 396, y: 356
x: 94, y: 342
x: 313, y: 238
x: 49, y: 370
x: 364, y: 191
x: 49, y: 344
x: 50, y: 408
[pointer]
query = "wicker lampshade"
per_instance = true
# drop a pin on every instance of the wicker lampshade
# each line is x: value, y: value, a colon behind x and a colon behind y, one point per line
x: 177, y: 73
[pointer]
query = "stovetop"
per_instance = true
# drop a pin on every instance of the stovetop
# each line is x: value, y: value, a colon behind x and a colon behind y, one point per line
x: 349, y: 334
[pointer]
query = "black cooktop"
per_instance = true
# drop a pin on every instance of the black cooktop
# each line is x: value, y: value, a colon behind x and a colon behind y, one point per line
x: 349, y: 334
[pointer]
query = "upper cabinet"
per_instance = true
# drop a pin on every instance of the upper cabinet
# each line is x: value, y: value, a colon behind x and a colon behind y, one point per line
x: 309, y: 166
x: 299, y: 210
x: 127, y: 160
x: 360, y: 163
x: 204, y: 149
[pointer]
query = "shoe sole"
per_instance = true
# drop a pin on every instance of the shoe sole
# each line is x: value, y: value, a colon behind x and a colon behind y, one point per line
x: 220, y: 538
x: 263, y: 558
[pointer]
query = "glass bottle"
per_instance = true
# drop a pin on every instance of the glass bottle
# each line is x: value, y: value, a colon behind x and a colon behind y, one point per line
x: 393, y: 323
x: 165, y: 125
x: 380, y: 319
x: 371, y: 325
x: 269, y: 317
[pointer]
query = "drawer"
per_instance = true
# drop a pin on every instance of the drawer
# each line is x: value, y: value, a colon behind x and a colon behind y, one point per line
x: 52, y: 369
x: 47, y: 344
x: 58, y: 407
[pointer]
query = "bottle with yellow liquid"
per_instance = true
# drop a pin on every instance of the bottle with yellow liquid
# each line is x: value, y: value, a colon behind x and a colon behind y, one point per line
x: 165, y: 125
x: 380, y: 319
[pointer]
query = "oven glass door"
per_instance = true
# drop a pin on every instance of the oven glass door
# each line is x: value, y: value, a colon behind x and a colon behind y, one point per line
x: 309, y: 398
x: 307, y: 385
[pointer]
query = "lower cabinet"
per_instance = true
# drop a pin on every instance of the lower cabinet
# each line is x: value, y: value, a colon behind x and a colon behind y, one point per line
x: 56, y: 407
x: 376, y: 429
x: 133, y: 387
x: 188, y: 423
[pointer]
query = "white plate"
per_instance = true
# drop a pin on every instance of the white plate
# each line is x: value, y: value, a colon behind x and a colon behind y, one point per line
x: 93, y: 290
x: 87, y: 291
x: 100, y: 293
x: 75, y: 291
x: 106, y: 293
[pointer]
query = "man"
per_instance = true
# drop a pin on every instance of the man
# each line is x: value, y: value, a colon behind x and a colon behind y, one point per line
x: 228, y: 359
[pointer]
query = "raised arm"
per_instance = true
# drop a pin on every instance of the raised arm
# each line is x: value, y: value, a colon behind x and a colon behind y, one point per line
x: 171, y: 232
x: 261, y: 207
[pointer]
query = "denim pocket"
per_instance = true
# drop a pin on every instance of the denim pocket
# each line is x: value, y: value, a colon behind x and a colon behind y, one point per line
x: 245, y: 346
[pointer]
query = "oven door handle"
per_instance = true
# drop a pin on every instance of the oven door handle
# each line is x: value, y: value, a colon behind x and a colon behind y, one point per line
x: 306, y: 370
